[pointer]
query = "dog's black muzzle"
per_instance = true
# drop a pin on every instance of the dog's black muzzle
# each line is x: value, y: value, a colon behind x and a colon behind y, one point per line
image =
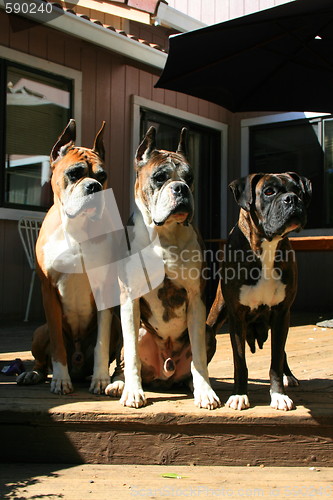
x: 92, y: 187
x: 182, y: 197
x: 287, y: 214
x: 294, y: 209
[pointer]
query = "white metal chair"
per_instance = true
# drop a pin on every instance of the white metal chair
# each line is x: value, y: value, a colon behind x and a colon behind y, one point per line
x: 28, y: 228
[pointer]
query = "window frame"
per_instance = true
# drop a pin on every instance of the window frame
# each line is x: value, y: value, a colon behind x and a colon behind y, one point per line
x: 247, y: 123
x: 10, y: 57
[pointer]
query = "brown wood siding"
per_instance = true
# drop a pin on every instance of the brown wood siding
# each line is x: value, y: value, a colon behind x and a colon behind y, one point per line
x: 153, y: 34
x: 120, y: 138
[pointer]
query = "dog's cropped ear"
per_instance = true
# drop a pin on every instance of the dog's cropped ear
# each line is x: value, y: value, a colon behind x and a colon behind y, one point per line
x: 98, y: 146
x: 146, y: 147
x: 243, y: 189
x: 65, y: 141
x: 182, y: 149
x: 305, y: 185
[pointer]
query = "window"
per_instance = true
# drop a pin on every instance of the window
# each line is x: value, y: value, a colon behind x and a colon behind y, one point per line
x: 204, y: 155
x: 305, y: 147
x: 37, y: 106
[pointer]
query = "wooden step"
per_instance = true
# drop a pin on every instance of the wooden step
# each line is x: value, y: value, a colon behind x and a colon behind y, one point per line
x: 37, y: 426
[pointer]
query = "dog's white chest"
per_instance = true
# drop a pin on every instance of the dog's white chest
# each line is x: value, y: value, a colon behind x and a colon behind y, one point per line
x: 63, y: 262
x: 62, y: 255
x: 269, y: 289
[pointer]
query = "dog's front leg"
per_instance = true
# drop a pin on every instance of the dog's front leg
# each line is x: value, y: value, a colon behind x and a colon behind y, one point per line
x: 239, y: 400
x: 61, y: 381
x: 101, y: 378
x: 279, y: 332
x: 204, y: 396
x: 133, y: 394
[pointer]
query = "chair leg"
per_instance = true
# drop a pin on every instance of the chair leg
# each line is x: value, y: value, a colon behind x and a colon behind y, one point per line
x: 30, y: 295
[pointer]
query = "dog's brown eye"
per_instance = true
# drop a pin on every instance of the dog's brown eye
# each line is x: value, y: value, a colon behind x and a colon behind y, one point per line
x: 269, y: 191
x: 75, y: 173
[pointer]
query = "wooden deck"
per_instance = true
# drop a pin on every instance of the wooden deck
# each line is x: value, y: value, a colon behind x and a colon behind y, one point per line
x: 38, y: 426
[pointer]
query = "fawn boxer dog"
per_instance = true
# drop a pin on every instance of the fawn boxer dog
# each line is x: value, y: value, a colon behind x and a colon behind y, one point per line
x: 259, y: 277
x: 68, y: 339
x: 164, y: 331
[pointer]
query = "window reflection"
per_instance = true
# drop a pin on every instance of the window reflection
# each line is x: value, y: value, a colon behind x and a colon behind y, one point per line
x: 37, y: 110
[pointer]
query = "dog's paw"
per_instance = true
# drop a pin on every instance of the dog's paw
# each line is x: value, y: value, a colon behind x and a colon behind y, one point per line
x: 238, y: 402
x: 115, y: 389
x: 30, y: 378
x: 61, y: 382
x: 290, y: 381
x: 61, y: 386
x: 281, y: 402
x: 134, y: 398
x: 99, y: 382
x: 206, y: 398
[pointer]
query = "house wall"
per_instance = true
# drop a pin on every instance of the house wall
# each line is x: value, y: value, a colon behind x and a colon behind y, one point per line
x: 108, y: 82
x: 216, y: 11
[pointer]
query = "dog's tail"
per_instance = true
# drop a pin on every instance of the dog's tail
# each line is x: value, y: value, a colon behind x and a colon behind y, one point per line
x: 218, y: 313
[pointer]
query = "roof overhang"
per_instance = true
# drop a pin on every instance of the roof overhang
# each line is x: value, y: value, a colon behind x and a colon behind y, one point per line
x: 99, y: 35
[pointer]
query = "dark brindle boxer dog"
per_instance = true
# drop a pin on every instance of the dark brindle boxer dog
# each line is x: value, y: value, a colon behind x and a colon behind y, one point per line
x: 259, y: 276
x: 164, y: 331
x: 69, y: 336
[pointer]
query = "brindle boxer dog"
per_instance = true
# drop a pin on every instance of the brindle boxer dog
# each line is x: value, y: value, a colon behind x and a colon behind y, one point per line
x: 259, y: 277
x: 69, y: 337
x: 164, y: 331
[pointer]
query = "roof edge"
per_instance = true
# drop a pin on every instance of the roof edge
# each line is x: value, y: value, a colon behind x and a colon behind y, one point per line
x: 106, y: 37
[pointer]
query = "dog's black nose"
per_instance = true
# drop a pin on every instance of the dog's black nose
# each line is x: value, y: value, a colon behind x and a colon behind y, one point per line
x: 179, y: 188
x: 290, y: 199
x: 92, y: 187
